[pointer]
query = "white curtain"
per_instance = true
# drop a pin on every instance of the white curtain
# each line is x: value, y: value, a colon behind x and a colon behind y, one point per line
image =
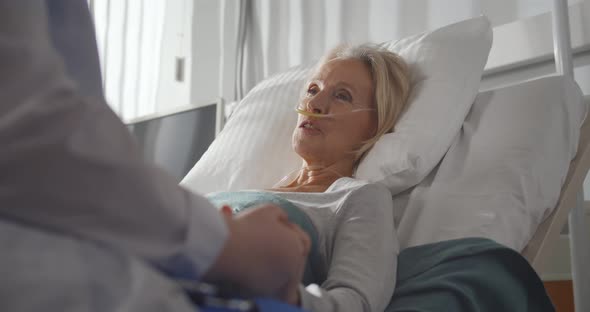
x: 129, y: 35
x: 280, y: 33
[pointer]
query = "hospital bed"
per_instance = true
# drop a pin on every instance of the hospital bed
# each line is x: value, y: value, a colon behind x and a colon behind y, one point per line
x: 540, y: 246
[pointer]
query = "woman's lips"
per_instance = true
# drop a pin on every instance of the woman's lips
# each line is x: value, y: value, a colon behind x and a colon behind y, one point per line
x: 309, y: 127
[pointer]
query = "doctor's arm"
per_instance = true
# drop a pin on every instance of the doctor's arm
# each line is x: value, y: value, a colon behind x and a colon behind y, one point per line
x: 70, y: 166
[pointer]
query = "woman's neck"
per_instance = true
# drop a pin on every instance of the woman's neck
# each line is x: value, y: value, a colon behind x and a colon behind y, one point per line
x: 318, y: 178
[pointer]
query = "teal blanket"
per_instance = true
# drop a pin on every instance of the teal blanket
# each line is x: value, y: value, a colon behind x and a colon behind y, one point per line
x: 240, y: 201
x: 469, y: 274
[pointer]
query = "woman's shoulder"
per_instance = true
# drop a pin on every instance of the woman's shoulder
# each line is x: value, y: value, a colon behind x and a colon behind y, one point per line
x: 362, y: 193
x: 362, y: 197
x: 354, y: 185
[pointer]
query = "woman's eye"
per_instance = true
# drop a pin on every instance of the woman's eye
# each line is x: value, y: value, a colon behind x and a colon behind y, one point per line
x: 311, y: 91
x: 343, y: 96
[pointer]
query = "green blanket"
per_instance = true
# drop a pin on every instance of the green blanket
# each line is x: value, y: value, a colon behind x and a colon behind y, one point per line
x: 469, y: 274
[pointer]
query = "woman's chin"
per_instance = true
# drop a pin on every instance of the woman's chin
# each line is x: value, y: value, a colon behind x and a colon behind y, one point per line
x: 303, y: 136
x: 308, y: 151
x: 309, y: 132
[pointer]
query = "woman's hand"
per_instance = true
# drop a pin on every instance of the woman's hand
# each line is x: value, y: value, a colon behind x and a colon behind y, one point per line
x: 265, y: 253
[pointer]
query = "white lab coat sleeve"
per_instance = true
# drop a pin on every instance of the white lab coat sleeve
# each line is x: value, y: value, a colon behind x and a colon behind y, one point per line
x: 68, y: 164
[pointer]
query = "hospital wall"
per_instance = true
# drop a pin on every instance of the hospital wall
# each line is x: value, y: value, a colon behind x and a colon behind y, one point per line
x: 176, y: 45
x: 192, y: 32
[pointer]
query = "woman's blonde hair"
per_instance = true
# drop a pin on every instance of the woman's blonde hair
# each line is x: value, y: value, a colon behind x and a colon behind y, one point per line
x: 391, y: 83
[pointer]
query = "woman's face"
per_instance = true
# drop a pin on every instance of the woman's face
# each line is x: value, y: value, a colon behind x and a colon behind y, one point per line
x: 338, y: 87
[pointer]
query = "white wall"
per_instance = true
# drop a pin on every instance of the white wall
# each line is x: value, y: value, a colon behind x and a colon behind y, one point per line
x: 524, y: 49
x: 191, y: 31
x: 422, y: 15
x: 176, y: 42
x: 582, y: 74
x: 205, y: 52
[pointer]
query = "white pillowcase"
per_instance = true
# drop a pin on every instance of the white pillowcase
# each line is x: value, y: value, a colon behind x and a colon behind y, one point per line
x: 254, y: 149
x: 504, y: 171
x: 446, y: 66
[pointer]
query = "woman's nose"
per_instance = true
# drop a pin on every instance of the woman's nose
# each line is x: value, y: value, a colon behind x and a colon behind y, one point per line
x: 314, y: 109
x: 318, y: 104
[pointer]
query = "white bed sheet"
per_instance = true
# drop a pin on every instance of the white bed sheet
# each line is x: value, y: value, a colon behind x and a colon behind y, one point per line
x: 504, y: 171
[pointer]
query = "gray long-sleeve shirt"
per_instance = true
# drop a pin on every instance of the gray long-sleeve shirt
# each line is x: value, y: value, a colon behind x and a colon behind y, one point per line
x: 357, y: 245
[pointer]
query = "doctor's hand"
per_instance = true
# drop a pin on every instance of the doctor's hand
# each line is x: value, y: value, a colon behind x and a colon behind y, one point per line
x: 265, y: 253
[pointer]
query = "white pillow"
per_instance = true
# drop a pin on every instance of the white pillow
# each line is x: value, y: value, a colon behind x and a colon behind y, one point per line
x: 504, y: 171
x: 254, y: 149
x: 446, y: 66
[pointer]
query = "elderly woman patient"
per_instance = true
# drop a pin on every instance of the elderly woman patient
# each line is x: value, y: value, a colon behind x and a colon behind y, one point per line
x: 353, y: 97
